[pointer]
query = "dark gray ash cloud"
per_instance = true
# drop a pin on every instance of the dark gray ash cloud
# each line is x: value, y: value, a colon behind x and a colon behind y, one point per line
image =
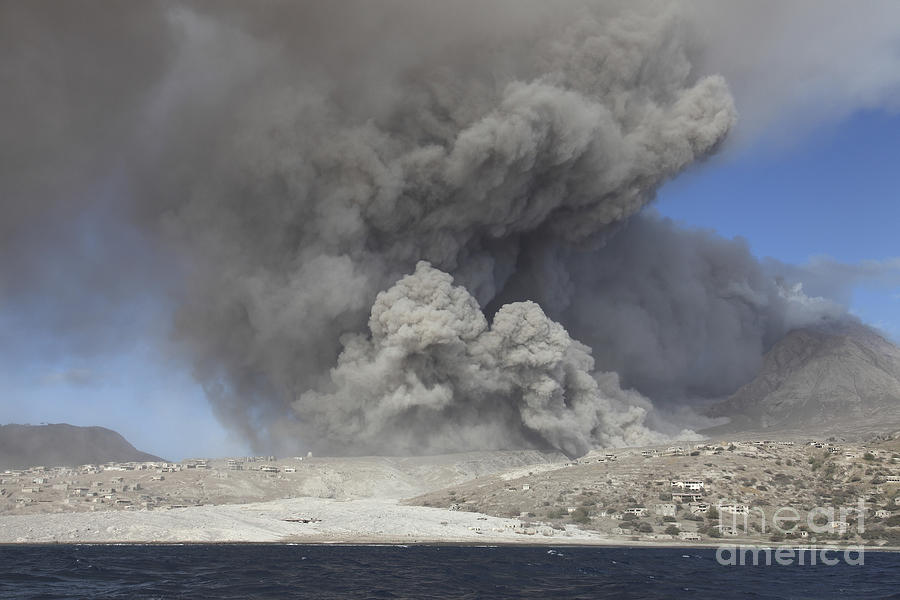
x: 267, y: 171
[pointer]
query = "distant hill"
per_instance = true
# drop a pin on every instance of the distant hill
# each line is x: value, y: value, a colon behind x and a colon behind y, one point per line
x: 838, y: 376
x: 64, y: 445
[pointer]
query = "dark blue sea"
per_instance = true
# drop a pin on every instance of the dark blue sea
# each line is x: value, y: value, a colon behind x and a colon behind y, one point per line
x: 279, y: 571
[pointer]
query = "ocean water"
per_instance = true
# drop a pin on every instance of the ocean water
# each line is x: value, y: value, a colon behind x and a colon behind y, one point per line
x: 422, y: 572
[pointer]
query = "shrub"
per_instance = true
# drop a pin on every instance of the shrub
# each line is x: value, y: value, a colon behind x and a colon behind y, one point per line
x: 672, y: 530
x: 581, y: 515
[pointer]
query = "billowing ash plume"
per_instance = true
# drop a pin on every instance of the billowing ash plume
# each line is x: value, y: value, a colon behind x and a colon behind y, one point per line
x: 678, y: 314
x: 328, y: 192
x: 433, y: 375
x: 280, y: 172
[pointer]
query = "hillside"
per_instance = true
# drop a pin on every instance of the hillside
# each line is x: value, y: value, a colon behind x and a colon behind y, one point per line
x: 838, y: 376
x: 60, y: 444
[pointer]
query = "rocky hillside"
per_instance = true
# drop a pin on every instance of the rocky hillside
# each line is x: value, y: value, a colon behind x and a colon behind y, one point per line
x: 60, y: 444
x: 838, y: 375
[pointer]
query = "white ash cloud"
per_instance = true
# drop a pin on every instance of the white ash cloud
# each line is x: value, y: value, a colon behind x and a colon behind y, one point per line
x: 269, y: 169
x: 795, y: 65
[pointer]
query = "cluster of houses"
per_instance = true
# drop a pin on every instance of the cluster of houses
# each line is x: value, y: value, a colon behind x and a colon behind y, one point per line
x: 739, y: 480
x: 90, y: 487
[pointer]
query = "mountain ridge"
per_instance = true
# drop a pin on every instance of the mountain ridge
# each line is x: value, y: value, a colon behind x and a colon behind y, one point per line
x: 823, y: 376
x: 61, y: 444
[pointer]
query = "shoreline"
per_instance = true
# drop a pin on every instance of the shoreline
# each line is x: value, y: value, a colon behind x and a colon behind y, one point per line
x: 328, y: 522
x: 461, y: 544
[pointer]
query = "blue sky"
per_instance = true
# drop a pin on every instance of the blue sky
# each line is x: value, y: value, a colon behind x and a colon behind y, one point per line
x: 832, y: 193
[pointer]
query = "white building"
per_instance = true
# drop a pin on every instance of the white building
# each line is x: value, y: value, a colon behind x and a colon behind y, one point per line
x: 698, y: 508
x: 688, y: 497
x: 694, y: 485
x: 737, y: 509
x: 727, y: 530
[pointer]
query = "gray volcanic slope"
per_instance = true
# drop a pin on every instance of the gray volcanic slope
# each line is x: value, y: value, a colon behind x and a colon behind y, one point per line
x: 818, y: 378
x: 60, y: 444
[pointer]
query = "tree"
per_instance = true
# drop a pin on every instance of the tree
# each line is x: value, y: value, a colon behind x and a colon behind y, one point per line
x: 672, y: 530
x: 645, y: 528
x: 581, y: 515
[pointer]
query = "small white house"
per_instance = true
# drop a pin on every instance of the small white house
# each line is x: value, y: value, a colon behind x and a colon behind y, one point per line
x: 688, y: 497
x: 727, y: 530
x: 698, y: 508
x: 737, y: 509
x: 689, y: 485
